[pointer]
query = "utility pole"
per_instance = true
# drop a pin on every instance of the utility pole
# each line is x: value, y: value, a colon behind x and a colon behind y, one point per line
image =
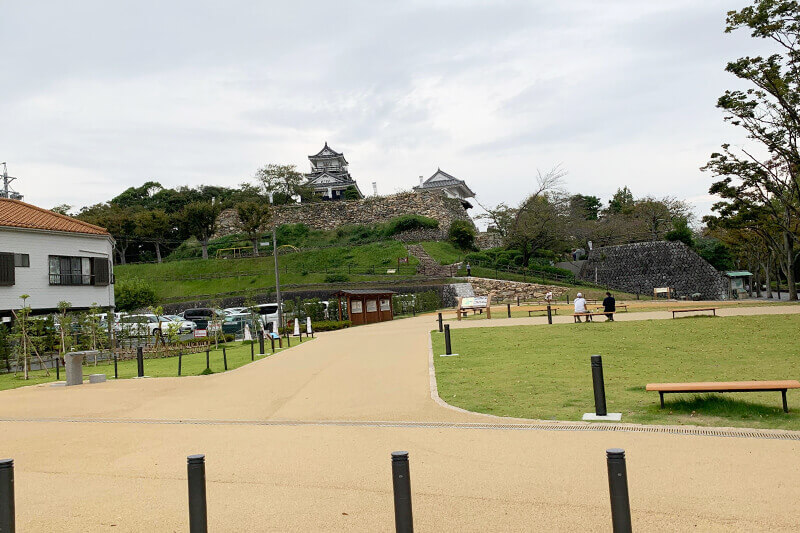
x: 277, y: 279
x: 6, y: 191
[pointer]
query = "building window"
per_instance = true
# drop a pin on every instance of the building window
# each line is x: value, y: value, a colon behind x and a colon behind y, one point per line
x: 70, y: 270
x: 22, y: 260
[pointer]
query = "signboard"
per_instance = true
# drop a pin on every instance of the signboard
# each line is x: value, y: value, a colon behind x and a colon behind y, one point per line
x: 247, y: 335
x: 475, y: 301
x: 372, y: 306
x: 385, y: 304
x: 356, y: 306
x: 308, y: 325
x: 200, y: 333
x: 296, y: 332
x: 403, y: 260
x: 214, y: 326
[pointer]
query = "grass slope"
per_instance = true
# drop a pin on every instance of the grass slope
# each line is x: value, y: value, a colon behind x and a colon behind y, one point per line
x: 184, y: 278
x: 192, y: 365
x: 443, y: 252
x: 543, y: 372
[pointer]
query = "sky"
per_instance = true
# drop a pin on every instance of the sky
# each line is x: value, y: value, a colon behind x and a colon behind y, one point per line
x: 98, y: 96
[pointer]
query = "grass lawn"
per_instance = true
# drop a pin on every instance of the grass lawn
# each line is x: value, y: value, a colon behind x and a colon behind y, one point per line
x: 185, y: 278
x: 192, y: 365
x: 443, y: 252
x: 543, y: 372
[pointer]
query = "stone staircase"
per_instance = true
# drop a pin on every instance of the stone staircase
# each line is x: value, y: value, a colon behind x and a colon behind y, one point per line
x: 428, y: 266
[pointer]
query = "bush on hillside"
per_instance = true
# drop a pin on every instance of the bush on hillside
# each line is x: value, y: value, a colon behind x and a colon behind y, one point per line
x: 409, y: 223
x: 336, y: 278
x: 133, y: 294
x: 462, y: 235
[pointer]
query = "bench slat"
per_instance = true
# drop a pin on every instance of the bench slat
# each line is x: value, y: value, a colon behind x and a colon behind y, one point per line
x: 711, y: 386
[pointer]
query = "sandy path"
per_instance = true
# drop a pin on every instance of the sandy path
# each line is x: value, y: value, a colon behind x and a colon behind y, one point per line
x: 86, y: 476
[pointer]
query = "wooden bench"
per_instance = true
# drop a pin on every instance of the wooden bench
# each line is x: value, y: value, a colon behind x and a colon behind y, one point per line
x: 725, y: 386
x: 590, y: 315
x: 618, y: 306
x: 695, y: 310
x: 543, y: 310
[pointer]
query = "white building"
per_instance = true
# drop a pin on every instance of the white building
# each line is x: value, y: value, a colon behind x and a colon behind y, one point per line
x: 52, y: 258
x: 329, y: 177
x: 451, y: 186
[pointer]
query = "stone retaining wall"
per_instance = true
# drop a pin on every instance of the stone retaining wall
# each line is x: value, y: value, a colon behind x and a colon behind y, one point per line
x: 641, y: 267
x: 372, y: 210
x: 503, y: 290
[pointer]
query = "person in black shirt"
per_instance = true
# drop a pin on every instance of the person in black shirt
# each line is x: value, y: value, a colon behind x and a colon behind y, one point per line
x: 609, y: 306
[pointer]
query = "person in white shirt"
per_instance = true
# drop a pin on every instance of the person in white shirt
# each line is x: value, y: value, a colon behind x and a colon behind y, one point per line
x: 548, y: 297
x: 580, y: 306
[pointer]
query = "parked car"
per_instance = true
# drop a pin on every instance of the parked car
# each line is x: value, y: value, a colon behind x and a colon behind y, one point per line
x: 139, y: 325
x: 184, y: 326
x: 235, y: 324
x: 235, y: 310
x: 269, y: 315
x: 202, y: 315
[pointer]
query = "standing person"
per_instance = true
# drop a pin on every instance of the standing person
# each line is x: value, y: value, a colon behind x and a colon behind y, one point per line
x: 548, y: 297
x: 469, y: 270
x: 609, y: 306
x: 580, y: 307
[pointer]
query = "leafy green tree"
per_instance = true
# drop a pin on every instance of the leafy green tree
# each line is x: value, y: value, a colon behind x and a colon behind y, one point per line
x: 587, y: 207
x: 62, y: 209
x: 281, y: 183
x: 680, y: 232
x: 622, y: 202
x: 351, y: 193
x: 119, y: 221
x: 134, y: 293
x: 199, y: 219
x: 253, y: 217
x: 462, y: 235
x: 154, y: 225
x: 762, y: 183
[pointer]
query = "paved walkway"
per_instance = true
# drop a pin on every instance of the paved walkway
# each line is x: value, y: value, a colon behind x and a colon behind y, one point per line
x: 113, y: 457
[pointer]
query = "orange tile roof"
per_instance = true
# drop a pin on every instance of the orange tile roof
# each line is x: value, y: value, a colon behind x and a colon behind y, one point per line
x: 16, y: 214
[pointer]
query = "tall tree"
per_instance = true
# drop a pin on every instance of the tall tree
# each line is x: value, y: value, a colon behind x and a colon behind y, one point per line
x: 253, y: 217
x: 763, y: 181
x: 622, y: 201
x: 154, y: 225
x: 199, y: 219
x: 119, y: 221
x: 281, y: 182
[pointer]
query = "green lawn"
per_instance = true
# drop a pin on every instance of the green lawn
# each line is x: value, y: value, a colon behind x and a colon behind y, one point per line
x: 543, y: 372
x: 191, y: 365
x: 185, y: 278
x: 443, y: 252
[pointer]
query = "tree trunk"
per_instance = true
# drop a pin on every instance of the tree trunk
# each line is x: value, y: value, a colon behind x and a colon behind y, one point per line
x: 778, y: 278
x: 758, y: 280
x: 765, y: 266
x: 205, y: 248
x: 255, y: 247
x: 789, y: 246
x: 158, y: 252
x: 121, y: 251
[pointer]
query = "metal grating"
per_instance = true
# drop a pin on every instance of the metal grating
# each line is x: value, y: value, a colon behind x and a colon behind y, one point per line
x: 539, y: 426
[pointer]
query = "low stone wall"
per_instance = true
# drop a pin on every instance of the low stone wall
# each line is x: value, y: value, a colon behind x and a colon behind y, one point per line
x: 372, y: 210
x: 488, y: 239
x: 641, y: 267
x: 503, y: 290
x: 420, y: 235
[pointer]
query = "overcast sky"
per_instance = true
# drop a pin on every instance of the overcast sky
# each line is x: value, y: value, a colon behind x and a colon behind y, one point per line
x: 97, y: 96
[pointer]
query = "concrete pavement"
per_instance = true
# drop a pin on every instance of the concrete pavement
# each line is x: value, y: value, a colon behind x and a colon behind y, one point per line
x: 114, y: 456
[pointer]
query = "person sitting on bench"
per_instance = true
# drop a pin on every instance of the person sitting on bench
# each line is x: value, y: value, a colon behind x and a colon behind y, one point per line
x: 609, y: 307
x: 580, y: 306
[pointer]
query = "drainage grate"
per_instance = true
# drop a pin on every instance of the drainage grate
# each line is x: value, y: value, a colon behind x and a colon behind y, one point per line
x: 539, y: 426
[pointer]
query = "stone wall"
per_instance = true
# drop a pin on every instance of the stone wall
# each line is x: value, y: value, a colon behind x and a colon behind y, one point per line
x: 641, y: 267
x: 488, y: 239
x: 372, y: 210
x: 503, y: 290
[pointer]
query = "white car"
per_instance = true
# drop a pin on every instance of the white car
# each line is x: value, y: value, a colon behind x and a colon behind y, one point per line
x: 139, y: 325
x: 184, y: 326
x: 235, y: 310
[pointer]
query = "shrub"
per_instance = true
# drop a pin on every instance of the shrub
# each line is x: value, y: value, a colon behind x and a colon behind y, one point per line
x: 462, y: 235
x: 330, y: 325
x: 134, y: 293
x: 680, y: 232
x: 408, y: 223
x: 336, y: 278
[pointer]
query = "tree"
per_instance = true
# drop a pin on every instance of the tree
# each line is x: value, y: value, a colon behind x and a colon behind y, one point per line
x: 253, y: 217
x: 281, y: 182
x: 586, y: 207
x: 153, y: 225
x: 462, y: 235
x: 500, y: 218
x: 762, y: 183
x: 680, y: 232
x: 622, y: 201
x: 62, y: 209
x: 199, y: 219
x: 350, y: 193
x: 654, y: 217
x: 133, y: 294
x: 119, y: 221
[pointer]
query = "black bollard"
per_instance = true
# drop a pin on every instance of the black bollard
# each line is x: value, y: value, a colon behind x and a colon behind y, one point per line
x: 517, y: 301
x: 288, y: 339
x: 58, y: 368
x: 224, y: 357
x: 599, y: 386
x: 116, y: 374
x: 401, y: 483
x: 618, y: 490
x: 549, y: 314
x: 509, y: 310
x: 447, y: 348
x: 180, y: 362
x: 272, y: 341
x: 198, y: 516
x: 7, y: 515
x: 140, y: 361
x: 252, y: 351
x: 208, y: 360
x: 261, y: 343
x: 440, y: 323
